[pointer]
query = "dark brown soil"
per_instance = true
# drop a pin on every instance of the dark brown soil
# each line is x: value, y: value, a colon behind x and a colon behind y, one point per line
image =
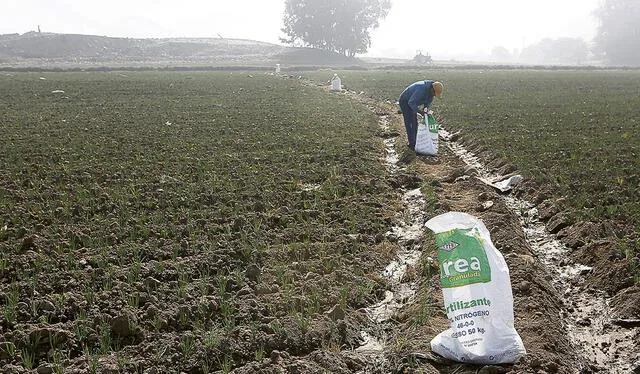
x: 537, y: 305
x: 540, y: 308
x: 156, y: 340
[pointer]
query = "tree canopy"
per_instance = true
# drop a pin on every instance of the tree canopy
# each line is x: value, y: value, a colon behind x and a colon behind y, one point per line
x: 562, y: 50
x: 618, y: 37
x: 341, y: 26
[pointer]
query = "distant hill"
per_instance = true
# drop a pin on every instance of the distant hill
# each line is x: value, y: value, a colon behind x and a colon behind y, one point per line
x: 64, y: 50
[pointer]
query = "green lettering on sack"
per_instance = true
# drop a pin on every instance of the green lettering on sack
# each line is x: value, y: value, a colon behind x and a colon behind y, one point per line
x: 462, y: 258
x: 432, y: 124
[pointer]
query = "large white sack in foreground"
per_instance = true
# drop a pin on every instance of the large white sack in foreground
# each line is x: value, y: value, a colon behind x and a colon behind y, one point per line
x: 477, y: 294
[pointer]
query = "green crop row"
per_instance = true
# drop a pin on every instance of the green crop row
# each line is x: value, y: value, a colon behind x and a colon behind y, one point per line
x: 232, y: 208
x: 576, y: 134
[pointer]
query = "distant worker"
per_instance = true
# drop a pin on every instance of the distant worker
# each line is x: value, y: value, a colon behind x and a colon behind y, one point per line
x: 418, y: 94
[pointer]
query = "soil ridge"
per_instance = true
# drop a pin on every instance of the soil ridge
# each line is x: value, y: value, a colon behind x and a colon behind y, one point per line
x: 538, y: 305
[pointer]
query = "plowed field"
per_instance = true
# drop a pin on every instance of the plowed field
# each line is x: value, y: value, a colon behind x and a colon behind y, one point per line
x: 224, y: 222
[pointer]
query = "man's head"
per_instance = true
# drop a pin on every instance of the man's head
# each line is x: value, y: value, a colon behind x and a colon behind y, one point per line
x: 437, y: 89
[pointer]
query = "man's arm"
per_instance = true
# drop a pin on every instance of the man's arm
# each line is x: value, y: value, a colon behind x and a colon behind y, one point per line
x: 428, y: 98
x: 428, y: 104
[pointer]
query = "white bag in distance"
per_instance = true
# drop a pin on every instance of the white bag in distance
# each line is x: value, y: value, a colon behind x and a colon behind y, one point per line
x: 427, y: 137
x: 477, y: 294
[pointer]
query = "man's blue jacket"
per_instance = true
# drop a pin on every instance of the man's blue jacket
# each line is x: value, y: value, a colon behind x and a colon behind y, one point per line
x: 416, y: 94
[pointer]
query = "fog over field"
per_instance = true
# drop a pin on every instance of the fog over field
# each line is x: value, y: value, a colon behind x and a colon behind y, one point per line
x: 460, y: 29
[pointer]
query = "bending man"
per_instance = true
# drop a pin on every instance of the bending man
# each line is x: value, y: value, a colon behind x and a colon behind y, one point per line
x: 418, y: 93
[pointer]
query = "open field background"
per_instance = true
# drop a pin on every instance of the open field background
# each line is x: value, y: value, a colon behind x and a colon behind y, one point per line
x: 186, y: 220
x: 216, y: 221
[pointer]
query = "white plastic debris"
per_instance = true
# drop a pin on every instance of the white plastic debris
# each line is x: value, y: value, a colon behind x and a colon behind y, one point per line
x: 508, y: 184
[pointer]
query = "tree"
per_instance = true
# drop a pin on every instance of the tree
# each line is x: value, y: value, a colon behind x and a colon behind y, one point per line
x: 618, y: 35
x: 500, y: 54
x: 341, y: 26
x: 562, y: 50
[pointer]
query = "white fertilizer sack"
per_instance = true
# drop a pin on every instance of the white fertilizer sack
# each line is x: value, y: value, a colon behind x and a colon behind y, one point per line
x: 477, y: 294
x: 427, y: 135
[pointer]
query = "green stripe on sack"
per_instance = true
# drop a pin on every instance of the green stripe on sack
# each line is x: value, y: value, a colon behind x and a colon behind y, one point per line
x: 432, y: 124
x: 462, y: 258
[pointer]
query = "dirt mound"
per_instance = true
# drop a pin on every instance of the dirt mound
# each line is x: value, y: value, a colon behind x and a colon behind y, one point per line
x: 50, y: 45
x: 35, y: 48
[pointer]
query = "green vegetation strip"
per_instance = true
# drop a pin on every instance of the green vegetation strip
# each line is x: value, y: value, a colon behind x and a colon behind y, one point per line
x: 576, y: 134
x: 235, y: 209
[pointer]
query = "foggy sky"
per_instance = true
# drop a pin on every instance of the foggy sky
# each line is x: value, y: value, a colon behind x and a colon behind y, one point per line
x: 446, y: 28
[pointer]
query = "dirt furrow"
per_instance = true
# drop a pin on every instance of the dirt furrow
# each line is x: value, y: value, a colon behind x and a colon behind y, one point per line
x: 566, y: 328
x: 587, y: 315
x: 452, y: 185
